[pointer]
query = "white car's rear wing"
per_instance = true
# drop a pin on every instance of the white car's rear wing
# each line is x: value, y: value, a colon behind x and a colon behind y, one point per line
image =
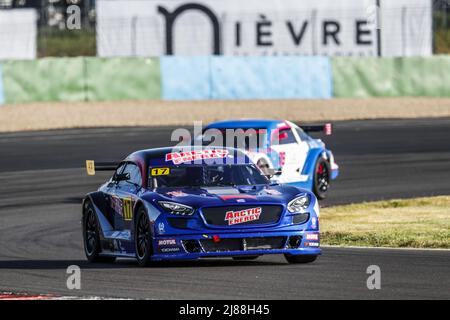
x: 327, y: 128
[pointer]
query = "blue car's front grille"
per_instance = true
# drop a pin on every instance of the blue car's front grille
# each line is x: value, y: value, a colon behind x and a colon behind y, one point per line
x: 242, y: 215
x: 224, y: 245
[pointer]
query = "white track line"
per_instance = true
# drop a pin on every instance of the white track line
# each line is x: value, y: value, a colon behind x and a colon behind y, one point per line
x: 27, y: 296
x: 385, y: 248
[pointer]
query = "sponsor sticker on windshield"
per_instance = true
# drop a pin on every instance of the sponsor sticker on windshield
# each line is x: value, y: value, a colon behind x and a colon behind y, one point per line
x: 189, y: 156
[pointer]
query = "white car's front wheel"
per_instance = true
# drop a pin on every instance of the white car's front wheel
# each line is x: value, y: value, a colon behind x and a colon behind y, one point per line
x: 321, y: 181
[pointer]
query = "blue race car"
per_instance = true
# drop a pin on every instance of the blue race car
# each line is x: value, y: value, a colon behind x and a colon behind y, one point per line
x: 182, y: 204
x: 281, y: 146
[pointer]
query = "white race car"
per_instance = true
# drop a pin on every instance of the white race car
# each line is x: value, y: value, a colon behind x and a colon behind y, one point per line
x: 280, y: 149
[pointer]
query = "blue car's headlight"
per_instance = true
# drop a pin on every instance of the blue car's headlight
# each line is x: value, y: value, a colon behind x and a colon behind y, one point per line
x: 176, y: 208
x: 299, y: 204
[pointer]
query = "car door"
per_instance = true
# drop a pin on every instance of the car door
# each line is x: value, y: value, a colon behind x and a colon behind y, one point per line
x: 292, y: 152
x: 114, y: 205
x: 126, y: 194
x: 302, y: 148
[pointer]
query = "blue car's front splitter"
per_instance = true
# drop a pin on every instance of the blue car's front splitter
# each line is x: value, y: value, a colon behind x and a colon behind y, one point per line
x: 193, y: 247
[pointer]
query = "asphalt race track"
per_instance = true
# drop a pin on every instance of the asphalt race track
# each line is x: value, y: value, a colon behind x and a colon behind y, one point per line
x: 42, y: 182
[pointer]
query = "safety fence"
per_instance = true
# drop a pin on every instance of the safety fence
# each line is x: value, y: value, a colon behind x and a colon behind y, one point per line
x: 221, y: 77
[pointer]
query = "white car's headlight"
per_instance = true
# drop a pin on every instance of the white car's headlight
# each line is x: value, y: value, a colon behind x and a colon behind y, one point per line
x: 176, y: 208
x: 299, y: 204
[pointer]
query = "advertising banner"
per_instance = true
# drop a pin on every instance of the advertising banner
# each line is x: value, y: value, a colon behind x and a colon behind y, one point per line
x: 18, y: 33
x: 269, y: 27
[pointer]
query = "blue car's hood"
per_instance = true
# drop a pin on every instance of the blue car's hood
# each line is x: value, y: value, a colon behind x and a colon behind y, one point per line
x: 217, y: 196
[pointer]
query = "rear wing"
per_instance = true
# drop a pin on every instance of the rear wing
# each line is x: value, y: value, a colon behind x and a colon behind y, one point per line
x: 327, y: 128
x: 92, y: 166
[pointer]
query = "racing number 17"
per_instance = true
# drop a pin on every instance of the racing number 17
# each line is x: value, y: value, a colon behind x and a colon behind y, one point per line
x: 160, y: 171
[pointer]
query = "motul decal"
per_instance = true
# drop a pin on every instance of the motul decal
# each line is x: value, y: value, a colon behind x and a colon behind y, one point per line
x: 167, y: 242
x: 242, y: 216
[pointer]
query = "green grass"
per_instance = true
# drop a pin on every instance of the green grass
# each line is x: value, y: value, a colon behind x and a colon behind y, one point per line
x: 441, y: 33
x: 66, y: 43
x: 442, y: 41
x: 414, y: 223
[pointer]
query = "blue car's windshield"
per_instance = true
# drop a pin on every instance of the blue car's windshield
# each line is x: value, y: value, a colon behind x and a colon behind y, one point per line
x: 207, y: 176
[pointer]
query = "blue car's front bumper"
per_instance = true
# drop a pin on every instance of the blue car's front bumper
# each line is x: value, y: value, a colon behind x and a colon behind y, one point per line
x: 194, y: 246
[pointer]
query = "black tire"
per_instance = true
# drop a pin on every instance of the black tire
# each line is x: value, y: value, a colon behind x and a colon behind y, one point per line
x: 243, y: 258
x: 322, y: 176
x: 300, y: 258
x: 143, y: 238
x: 91, y: 236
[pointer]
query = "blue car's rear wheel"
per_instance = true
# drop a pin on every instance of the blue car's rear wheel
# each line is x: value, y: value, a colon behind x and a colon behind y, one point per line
x: 143, y: 239
x: 91, y: 235
x: 301, y: 258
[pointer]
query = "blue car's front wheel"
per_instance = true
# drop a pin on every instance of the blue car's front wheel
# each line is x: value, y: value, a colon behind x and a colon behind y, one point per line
x: 143, y: 239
